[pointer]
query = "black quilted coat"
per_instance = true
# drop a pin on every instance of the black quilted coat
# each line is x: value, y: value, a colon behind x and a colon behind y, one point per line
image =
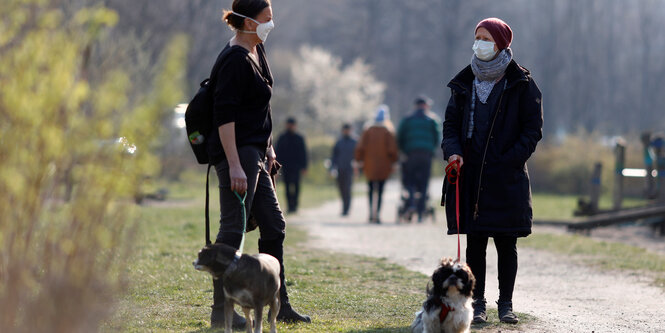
x: 495, y: 194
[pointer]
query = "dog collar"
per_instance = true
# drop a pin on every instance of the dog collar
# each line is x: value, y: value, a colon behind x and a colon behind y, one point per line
x: 445, y: 309
x: 233, y: 264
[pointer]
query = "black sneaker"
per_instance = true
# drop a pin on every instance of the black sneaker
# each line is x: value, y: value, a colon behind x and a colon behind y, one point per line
x: 479, y: 311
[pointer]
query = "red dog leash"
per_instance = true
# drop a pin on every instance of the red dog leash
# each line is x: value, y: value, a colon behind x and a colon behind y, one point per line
x: 453, y: 173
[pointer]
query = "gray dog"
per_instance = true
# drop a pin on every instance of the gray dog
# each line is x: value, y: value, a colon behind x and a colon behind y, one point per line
x: 252, y: 281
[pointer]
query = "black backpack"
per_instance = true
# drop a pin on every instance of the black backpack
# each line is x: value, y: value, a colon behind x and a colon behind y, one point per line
x: 198, y: 121
x: 199, y: 126
x: 198, y: 116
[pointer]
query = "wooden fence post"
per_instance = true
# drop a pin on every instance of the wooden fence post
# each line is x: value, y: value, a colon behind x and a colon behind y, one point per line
x: 619, y: 164
x: 595, y: 187
x: 659, y: 148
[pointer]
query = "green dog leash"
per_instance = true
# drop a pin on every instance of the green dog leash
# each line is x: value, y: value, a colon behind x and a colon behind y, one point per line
x: 244, y: 219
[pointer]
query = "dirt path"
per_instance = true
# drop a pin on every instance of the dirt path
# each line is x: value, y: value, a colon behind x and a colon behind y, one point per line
x: 564, y: 297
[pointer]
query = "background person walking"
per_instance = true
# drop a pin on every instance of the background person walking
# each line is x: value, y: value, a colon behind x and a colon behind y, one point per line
x: 418, y: 136
x: 342, y: 166
x: 292, y: 154
x: 377, y: 150
x: 493, y: 122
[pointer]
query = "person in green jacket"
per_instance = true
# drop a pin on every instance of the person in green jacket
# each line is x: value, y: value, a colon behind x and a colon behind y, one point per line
x: 418, y: 136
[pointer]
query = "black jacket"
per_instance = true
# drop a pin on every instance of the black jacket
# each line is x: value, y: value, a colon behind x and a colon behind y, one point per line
x: 291, y: 152
x: 495, y: 191
x: 243, y: 88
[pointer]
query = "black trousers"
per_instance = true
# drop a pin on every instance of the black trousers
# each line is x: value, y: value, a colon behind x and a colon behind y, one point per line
x: 261, y: 200
x: 344, y: 183
x: 416, y: 171
x: 506, y: 247
x: 292, y: 186
x: 375, y: 188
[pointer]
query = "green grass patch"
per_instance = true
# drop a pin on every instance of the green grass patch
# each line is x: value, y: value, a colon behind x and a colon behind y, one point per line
x: 191, y: 187
x: 561, y: 207
x: 342, y: 293
x: 602, y: 254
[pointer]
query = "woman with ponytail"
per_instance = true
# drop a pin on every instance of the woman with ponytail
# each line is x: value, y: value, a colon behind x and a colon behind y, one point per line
x: 241, y: 147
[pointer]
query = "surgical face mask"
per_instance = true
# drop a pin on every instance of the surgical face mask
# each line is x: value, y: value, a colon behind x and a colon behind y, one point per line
x: 483, y: 50
x: 262, y: 30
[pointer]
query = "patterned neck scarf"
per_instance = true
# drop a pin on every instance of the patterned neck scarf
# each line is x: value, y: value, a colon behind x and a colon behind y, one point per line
x: 489, y: 73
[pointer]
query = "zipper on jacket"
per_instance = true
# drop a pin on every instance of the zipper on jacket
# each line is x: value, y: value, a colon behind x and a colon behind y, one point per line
x: 482, y: 163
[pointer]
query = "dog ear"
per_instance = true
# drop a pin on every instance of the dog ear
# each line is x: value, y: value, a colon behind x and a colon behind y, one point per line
x: 437, y: 281
x: 470, y: 281
x: 428, y: 288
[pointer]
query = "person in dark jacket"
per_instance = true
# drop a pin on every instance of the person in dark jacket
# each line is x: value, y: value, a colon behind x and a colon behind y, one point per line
x: 418, y: 136
x: 342, y: 166
x: 240, y: 146
x: 292, y: 154
x: 492, y: 124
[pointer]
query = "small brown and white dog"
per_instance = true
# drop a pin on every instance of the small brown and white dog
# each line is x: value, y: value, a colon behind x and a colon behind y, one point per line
x: 252, y: 281
x: 448, y: 306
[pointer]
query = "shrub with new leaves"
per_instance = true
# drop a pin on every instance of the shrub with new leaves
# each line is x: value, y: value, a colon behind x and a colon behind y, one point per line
x: 329, y: 93
x: 71, y: 154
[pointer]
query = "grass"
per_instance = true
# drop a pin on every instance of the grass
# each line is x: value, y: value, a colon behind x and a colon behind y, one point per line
x: 561, y: 207
x: 602, y: 254
x: 342, y: 293
x: 191, y: 187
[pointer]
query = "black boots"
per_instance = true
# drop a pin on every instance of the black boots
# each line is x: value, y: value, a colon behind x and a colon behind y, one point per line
x: 217, y: 315
x: 506, y: 314
x: 479, y: 311
x: 286, y: 312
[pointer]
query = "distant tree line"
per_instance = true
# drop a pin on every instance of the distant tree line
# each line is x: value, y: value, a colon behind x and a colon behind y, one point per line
x: 596, y: 61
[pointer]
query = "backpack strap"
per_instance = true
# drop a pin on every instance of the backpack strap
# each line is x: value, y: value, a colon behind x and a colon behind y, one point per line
x: 208, y: 205
x: 218, y: 63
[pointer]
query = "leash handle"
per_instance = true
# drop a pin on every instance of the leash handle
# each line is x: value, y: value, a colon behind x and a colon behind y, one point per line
x: 244, y: 218
x: 453, y: 174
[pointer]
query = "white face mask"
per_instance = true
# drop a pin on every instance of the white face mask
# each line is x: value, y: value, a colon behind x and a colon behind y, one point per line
x: 483, y: 50
x: 262, y: 30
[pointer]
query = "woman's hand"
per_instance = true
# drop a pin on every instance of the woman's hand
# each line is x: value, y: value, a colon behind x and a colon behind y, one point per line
x: 270, y: 153
x: 238, y: 179
x: 227, y: 133
x: 456, y: 157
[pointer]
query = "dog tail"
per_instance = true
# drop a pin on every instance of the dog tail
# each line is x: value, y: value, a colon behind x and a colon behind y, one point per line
x: 417, y: 325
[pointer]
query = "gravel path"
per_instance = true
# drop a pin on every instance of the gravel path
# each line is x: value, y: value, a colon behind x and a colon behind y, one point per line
x: 564, y: 297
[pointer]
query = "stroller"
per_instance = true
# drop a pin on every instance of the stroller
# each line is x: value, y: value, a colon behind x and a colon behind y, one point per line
x: 407, y: 212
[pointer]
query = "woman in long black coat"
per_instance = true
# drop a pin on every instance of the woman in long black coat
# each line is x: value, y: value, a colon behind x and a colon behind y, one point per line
x: 492, y: 124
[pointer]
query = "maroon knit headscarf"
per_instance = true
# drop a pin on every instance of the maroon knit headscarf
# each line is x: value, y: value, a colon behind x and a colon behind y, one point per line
x: 499, y: 30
